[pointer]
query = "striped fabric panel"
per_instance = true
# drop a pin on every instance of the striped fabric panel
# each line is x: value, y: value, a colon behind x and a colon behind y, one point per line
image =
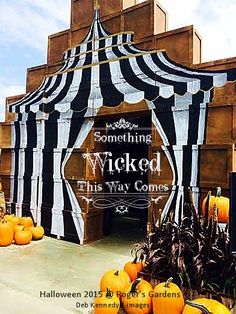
x: 105, y: 70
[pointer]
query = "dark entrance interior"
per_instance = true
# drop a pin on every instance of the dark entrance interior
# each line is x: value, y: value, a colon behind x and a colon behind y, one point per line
x: 128, y: 138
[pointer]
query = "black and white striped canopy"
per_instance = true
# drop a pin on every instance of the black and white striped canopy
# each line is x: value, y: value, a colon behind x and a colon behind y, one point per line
x: 55, y: 119
x: 107, y: 69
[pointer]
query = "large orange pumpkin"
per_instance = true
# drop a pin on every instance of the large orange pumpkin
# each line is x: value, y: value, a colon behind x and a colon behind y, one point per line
x: 37, y: 232
x: 206, y: 306
x: 116, y: 280
x: 222, y: 205
x: 26, y: 221
x: 167, y: 298
x: 133, y: 268
x: 23, y: 237
x: 6, y: 233
x: 137, y: 299
x: 107, y: 303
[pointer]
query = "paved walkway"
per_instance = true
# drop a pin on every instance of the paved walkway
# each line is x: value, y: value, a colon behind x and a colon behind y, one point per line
x: 53, y: 266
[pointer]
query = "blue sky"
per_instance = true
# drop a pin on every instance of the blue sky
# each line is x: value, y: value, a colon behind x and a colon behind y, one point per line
x: 26, y: 24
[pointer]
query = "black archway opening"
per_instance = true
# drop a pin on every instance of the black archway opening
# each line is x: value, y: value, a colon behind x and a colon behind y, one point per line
x: 128, y: 137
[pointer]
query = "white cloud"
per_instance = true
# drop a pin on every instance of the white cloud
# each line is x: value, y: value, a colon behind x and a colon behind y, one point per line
x: 6, y: 90
x: 30, y: 22
x: 214, y: 19
x: 27, y: 24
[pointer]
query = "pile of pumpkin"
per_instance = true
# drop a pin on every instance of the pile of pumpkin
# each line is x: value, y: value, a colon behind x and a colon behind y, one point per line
x: 123, y: 288
x: 19, y: 230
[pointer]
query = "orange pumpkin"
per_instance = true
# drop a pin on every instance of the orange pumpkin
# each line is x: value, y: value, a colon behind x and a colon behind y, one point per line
x: 116, y: 280
x: 18, y: 228
x: 205, y: 306
x: 12, y: 218
x: 107, y: 303
x: 26, y: 221
x: 15, y: 220
x: 23, y: 237
x: 6, y: 233
x: 133, y: 268
x: 167, y: 298
x: 9, y: 221
x: 7, y: 216
x: 37, y: 232
x: 222, y: 205
x: 137, y: 299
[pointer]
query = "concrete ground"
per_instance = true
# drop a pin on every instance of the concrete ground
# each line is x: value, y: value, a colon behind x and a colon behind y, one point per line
x: 56, y: 265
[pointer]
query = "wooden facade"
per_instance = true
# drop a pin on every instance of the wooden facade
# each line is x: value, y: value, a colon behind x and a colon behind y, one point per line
x: 148, y: 21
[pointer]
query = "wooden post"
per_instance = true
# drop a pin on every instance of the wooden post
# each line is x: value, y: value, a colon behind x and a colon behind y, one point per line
x: 232, y: 212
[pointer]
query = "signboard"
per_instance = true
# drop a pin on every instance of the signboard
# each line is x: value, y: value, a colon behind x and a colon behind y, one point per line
x: 124, y: 165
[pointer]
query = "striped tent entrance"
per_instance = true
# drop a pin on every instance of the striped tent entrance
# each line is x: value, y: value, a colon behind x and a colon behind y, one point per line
x: 105, y: 70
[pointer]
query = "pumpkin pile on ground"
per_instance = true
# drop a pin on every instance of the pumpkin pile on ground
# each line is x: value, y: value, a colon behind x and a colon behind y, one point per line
x: 18, y: 230
x: 194, y: 254
x: 133, y: 268
x: 139, y: 297
x: 135, y: 297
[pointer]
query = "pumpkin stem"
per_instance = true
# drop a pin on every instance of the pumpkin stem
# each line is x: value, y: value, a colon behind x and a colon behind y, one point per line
x: 116, y: 273
x: 168, y: 282
x: 199, y: 307
x: 135, y: 260
x: 109, y: 293
x: 218, y: 191
x: 134, y: 285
